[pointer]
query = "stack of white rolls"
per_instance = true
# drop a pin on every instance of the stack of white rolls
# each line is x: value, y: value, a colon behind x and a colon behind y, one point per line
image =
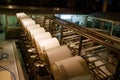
x: 21, y: 15
x: 59, y: 58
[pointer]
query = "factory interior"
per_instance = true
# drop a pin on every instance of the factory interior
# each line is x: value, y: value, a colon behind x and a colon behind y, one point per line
x: 60, y: 40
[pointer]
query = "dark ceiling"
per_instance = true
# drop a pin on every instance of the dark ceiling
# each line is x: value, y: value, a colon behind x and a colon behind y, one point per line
x: 79, y: 5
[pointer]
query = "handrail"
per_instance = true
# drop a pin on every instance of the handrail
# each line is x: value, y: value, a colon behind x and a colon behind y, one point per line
x: 94, y: 35
x: 94, y: 32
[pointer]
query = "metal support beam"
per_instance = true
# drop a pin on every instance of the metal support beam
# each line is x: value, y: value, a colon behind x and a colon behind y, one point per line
x: 117, y: 72
x: 80, y: 45
x: 61, y: 33
x: 105, y: 5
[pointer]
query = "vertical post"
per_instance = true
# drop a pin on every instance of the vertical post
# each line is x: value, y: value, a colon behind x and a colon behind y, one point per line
x: 80, y: 45
x: 93, y: 24
x: 111, y: 29
x: 117, y: 72
x: 61, y: 33
x: 49, y: 24
x: 44, y: 21
x: 101, y: 25
x: 85, y: 21
x: 6, y: 22
x: 52, y: 27
x: 105, y: 5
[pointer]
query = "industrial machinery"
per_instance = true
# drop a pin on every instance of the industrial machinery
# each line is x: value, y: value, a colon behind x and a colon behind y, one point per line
x: 61, y: 50
x: 10, y: 67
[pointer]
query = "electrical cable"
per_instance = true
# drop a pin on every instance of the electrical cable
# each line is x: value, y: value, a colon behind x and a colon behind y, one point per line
x: 9, y: 71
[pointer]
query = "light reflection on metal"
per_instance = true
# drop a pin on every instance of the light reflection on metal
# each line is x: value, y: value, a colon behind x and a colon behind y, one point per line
x: 33, y: 56
x: 32, y: 8
x: 10, y: 7
x: 38, y: 64
x: 31, y: 49
x: 56, y: 9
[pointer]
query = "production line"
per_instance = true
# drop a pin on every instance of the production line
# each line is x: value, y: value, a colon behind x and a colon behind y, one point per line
x: 51, y: 52
x: 54, y: 57
x: 97, y: 45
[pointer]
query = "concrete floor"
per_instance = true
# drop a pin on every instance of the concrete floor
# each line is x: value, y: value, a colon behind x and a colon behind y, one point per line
x: 2, y: 38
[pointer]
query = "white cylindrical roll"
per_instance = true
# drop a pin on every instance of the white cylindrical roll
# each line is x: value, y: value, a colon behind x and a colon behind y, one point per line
x: 40, y: 36
x: 29, y: 22
x: 20, y: 15
x: 32, y: 26
x: 23, y: 20
x: 29, y: 27
x: 35, y: 31
x: 74, y: 68
x: 56, y: 54
x: 46, y: 44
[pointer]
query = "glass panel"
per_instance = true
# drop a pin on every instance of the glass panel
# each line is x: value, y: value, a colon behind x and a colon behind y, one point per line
x: 89, y: 23
x: 66, y: 17
x: 116, y: 30
x: 77, y: 19
x: 107, y: 26
x: 12, y: 21
x: 2, y: 22
x: 97, y: 24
